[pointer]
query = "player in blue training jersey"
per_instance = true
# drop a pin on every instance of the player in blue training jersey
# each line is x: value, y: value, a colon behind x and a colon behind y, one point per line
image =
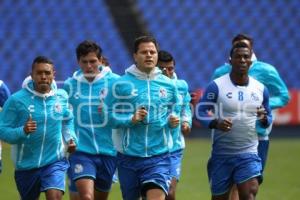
x: 141, y: 106
x: 4, y: 94
x: 279, y: 95
x: 238, y: 102
x: 94, y: 162
x: 37, y: 120
x: 166, y: 63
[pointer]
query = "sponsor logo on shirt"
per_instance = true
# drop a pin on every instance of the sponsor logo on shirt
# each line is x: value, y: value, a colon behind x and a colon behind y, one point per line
x: 31, y: 108
x: 229, y: 95
x: 134, y: 92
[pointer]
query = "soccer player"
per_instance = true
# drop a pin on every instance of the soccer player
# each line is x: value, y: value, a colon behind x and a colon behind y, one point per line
x: 279, y: 95
x: 268, y: 75
x: 34, y: 120
x: 237, y: 102
x: 142, y: 105
x: 166, y: 63
x: 94, y: 162
x: 4, y: 94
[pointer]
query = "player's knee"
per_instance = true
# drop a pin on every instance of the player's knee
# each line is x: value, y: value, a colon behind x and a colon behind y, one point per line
x: 253, y: 190
x: 87, y: 197
x: 54, y: 194
x: 250, y: 193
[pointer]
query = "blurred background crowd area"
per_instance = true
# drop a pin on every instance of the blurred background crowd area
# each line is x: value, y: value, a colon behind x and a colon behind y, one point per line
x: 197, y: 32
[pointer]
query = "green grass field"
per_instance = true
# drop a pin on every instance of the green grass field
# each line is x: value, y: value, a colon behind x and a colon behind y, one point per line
x: 282, y: 177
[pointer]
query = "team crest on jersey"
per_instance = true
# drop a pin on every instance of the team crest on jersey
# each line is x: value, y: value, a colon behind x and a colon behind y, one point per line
x: 254, y: 97
x: 162, y: 93
x: 103, y: 93
x: 57, y: 108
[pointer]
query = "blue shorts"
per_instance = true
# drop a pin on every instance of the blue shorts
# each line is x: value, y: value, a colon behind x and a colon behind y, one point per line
x: 100, y: 168
x: 71, y: 183
x: 263, y: 148
x: 31, y: 183
x: 138, y: 174
x: 226, y: 170
x: 176, y: 159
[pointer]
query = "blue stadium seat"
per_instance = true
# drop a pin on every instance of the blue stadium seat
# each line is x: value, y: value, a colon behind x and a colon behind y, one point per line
x: 197, y: 32
x: 54, y: 28
x: 205, y: 29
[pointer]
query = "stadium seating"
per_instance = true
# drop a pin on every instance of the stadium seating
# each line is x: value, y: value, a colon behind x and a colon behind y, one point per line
x: 54, y: 28
x: 198, y: 33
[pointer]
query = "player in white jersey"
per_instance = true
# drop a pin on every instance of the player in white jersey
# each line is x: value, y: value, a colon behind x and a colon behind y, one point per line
x: 279, y: 95
x: 238, y: 103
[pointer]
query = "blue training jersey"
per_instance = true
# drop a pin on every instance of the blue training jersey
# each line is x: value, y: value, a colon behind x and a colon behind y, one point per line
x: 86, y: 98
x: 239, y: 103
x: 267, y: 75
x: 185, y: 114
x: 54, y: 120
x: 156, y: 93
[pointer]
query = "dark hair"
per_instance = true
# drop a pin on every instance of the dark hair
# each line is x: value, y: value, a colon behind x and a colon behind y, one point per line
x: 239, y: 45
x: 242, y: 36
x: 144, y: 39
x: 105, y: 61
x: 86, y: 47
x: 41, y: 59
x: 164, y: 56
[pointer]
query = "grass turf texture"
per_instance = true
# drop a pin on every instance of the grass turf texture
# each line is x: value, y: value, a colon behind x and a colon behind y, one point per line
x: 282, y: 181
